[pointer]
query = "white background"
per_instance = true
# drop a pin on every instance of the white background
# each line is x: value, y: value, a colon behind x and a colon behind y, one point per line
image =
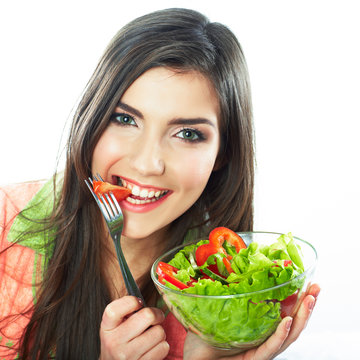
x: 304, y: 61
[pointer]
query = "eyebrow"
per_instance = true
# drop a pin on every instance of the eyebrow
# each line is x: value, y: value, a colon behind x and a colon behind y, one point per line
x: 181, y: 121
x: 176, y: 121
x: 129, y: 108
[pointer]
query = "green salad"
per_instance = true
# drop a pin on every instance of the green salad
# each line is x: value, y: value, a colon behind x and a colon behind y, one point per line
x: 224, y: 266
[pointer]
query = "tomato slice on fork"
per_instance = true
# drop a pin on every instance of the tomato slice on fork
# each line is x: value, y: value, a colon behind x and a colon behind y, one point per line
x: 103, y: 187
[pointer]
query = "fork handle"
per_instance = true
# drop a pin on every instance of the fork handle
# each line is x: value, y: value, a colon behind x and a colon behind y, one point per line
x: 130, y: 283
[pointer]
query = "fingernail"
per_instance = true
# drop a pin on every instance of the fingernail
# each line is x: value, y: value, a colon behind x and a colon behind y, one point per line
x: 141, y: 302
x: 311, y: 304
x: 317, y: 294
x: 288, y: 324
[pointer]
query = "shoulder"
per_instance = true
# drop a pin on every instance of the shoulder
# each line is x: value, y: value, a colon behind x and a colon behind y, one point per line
x: 13, y: 198
x: 16, y: 196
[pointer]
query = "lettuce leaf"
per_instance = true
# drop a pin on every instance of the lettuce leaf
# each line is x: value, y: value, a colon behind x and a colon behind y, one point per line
x: 182, y: 263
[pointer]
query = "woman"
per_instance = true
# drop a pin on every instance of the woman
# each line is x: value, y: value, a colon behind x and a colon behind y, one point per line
x: 168, y: 114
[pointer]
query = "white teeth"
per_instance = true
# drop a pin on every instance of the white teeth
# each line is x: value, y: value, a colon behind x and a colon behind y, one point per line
x: 139, y: 202
x: 144, y: 193
x: 135, y: 190
x: 130, y: 200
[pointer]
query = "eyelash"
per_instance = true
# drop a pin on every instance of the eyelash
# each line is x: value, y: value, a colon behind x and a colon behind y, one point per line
x: 200, y: 136
x: 117, y: 118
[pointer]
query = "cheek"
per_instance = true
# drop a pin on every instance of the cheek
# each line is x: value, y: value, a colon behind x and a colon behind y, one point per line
x: 106, y: 152
x: 195, y: 171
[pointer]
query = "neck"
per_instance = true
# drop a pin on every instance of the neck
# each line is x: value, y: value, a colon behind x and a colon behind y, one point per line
x: 149, y: 247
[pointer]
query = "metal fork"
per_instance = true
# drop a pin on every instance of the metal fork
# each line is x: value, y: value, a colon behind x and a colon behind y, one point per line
x: 112, y: 213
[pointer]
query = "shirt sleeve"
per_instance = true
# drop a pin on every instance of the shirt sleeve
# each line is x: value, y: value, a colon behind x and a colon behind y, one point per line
x: 175, y: 336
x: 17, y: 265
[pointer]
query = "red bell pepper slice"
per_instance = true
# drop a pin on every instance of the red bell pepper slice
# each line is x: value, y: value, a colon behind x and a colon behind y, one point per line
x: 167, y: 272
x: 102, y: 187
x: 228, y: 265
x: 216, y: 239
x: 204, y: 251
x: 221, y: 234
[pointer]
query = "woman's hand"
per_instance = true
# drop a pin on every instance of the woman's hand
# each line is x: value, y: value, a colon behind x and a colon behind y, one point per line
x: 286, y: 333
x: 129, y: 331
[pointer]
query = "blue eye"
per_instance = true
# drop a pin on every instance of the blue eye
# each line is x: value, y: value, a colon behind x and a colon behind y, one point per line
x: 123, y: 119
x: 190, y: 135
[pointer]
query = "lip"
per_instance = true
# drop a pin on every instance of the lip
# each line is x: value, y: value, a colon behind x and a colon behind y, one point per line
x: 141, y: 208
x: 133, y: 182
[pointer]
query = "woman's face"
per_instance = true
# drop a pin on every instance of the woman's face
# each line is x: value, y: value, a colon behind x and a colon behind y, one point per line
x: 162, y: 142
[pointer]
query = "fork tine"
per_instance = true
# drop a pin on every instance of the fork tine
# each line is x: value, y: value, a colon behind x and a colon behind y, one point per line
x: 101, y: 203
x: 107, y: 202
x: 99, y: 176
x: 90, y: 187
x: 111, y: 205
x: 106, y: 206
x: 116, y: 203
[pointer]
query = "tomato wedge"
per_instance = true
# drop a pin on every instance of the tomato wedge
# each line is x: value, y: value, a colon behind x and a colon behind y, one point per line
x: 102, y: 187
x: 167, y: 272
x: 287, y: 306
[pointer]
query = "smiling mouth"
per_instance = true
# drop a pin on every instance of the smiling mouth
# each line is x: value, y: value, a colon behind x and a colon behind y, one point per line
x: 141, y: 195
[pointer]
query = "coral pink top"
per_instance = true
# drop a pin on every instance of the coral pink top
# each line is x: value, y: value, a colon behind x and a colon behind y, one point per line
x: 20, y: 269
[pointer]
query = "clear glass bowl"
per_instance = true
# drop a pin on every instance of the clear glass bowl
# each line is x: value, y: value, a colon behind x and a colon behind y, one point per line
x: 256, y: 314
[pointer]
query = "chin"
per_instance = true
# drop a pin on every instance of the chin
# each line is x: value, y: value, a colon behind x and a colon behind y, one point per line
x: 136, y: 233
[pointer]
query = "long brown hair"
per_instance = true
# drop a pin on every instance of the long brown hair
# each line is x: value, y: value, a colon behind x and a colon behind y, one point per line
x: 67, y: 314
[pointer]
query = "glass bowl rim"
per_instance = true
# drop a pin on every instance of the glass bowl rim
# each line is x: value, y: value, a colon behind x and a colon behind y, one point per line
x: 232, y: 296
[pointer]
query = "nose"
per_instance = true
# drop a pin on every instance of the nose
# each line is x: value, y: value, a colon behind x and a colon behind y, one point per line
x: 147, y: 158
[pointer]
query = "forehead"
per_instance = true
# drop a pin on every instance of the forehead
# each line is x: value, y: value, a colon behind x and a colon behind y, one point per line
x: 189, y: 92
